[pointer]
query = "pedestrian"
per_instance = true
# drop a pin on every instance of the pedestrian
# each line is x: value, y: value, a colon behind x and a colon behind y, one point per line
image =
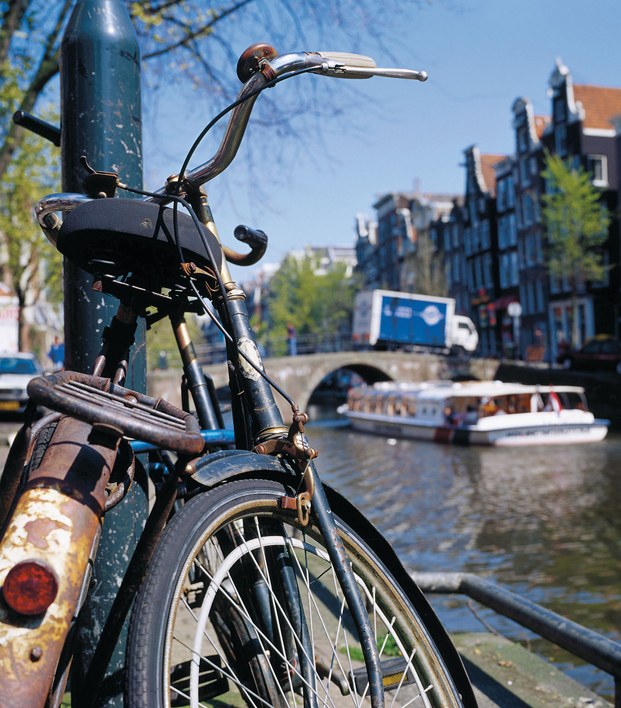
x: 292, y: 346
x: 57, y: 354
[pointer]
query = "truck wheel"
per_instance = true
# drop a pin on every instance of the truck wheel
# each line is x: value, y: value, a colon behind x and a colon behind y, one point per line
x: 458, y: 350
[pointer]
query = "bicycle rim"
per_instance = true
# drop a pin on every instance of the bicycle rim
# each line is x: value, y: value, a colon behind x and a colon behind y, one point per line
x: 249, y: 612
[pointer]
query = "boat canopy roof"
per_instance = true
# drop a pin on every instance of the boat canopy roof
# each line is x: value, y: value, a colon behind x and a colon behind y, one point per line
x: 441, y: 390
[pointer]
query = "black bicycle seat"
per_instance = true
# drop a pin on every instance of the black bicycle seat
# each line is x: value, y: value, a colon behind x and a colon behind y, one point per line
x: 121, y: 236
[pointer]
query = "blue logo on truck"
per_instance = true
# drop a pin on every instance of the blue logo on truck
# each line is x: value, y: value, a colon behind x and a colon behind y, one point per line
x: 413, y: 321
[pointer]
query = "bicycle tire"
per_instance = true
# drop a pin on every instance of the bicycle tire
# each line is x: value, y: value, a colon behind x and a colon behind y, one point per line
x: 166, y: 633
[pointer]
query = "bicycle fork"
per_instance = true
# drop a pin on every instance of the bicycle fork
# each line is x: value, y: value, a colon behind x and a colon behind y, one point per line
x: 45, y: 558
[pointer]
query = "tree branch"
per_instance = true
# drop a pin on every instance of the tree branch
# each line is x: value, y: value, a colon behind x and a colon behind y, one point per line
x: 11, y: 20
x: 198, y: 32
x: 48, y: 68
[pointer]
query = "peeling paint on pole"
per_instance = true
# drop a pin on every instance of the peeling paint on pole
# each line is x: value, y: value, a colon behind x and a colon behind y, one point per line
x: 101, y: 119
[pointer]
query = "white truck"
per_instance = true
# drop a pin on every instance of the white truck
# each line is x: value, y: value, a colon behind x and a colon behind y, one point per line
x: 386, y: 319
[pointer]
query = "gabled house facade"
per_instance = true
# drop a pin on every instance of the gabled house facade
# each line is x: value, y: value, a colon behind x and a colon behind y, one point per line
x: 469, y: 241
x: 385, y: 247
x: 581, y: 131
x: 524, y: 229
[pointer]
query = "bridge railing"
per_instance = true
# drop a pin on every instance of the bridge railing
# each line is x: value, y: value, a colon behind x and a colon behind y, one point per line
x: 270, y: 346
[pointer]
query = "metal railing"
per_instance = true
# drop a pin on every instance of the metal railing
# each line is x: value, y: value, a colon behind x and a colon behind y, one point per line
x: 574, y: 638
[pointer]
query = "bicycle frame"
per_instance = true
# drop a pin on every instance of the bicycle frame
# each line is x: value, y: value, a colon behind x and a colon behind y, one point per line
x: 81, y: 458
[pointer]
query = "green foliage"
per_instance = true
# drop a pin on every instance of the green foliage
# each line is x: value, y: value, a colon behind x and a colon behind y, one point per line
x: 313, y: 301
x: 577, y: 226
x: 162, y: 338
x: 577, y: 223
x: 29, y: 263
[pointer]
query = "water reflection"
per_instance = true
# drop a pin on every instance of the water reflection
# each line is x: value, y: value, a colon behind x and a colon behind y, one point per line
x: 543, y: 520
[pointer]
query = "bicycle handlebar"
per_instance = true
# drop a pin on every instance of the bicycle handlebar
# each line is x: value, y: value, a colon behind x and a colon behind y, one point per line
x: 333, y: 64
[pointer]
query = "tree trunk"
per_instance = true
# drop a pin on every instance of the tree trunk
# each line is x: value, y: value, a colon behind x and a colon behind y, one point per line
x: 575, y: 330
x: 22, y: 336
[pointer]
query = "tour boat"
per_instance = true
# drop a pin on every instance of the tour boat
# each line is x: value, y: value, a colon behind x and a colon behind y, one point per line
x: 475, y: 413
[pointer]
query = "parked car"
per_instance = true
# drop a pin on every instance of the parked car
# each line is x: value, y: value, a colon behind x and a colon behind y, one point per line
x: 16, y: 370
x: 601, y: 353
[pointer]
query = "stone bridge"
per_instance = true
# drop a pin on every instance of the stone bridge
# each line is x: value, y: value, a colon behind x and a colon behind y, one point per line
x: 299, y: 376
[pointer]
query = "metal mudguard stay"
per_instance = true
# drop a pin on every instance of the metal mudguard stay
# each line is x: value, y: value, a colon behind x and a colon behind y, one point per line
x: 219, y: 467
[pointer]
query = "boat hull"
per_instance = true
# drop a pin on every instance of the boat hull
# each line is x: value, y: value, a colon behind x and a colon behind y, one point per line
x: 558, y: 434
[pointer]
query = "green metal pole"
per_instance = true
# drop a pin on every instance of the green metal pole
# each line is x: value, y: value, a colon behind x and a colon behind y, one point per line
x: 101, y: 119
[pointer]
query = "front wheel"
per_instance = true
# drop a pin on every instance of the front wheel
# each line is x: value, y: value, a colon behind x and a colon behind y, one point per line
x: 242, y: 606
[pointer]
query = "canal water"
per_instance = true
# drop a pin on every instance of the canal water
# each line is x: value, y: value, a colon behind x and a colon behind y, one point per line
x: 544, y: 521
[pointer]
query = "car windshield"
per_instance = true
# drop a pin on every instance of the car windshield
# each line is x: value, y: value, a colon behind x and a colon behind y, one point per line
x: 610, y: 347
x: 15, y: 365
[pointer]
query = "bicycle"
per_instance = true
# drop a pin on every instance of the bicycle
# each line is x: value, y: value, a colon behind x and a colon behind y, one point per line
x: 266, y: 587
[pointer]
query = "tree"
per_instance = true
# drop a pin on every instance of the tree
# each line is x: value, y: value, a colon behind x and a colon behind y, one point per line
x: 314, y: 301
x: 427, y: 267
x: 189, y: 41
x: 577, y: 226
x: 29, y: 263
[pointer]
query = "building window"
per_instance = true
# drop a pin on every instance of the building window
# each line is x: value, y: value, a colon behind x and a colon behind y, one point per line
x: 478, y: 270
x: 597, y: 165
x: 485, y: 235
x: 447, y: 238
x: 530, y: 291
x: 530, y: 250
x: 536, y: 213
x: 504, y: 271
x: 475, y: 239
x: 520, y: 255
x: 554, y: 289
x: 501, y: 198
x: 510, y: 192
x: 523, y: 301
x: 515, y: 274
x: 502, y: 232
x: 539, y: 287
x: 518, y: 212
x: 559, y: 110
x: 468, y: 241
x: 456, y: 273
x: 524, y: 173
x: 527, y: 203
x: 539, y: 247
x: 512, y: 230
x: 487, y: 270
x: 474, y: 217
x: 470, y: 270
x: 522, y: 140
x: 534, y: 167
x: 560, y: 137
x: 605, y: 281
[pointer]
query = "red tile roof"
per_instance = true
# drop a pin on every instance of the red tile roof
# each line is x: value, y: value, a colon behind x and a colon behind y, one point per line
x: 600, y: 105
x: 541, y: 122
x: 487, y: 168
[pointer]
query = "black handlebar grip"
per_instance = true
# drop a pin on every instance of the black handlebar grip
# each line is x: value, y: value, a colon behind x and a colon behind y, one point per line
x: 253, y: 237
x: 36, y: 125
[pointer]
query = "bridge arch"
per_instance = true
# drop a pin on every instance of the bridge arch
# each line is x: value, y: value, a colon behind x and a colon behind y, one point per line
x: 299, y: 376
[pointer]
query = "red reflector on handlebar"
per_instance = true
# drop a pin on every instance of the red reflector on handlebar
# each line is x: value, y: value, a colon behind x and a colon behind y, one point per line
x: 30, y: 587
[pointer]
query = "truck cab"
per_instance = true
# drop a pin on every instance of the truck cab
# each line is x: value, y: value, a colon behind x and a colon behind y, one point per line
x: 464, y: 335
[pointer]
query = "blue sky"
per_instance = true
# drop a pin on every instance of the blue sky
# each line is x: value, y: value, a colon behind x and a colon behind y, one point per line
x: 480, y: 56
